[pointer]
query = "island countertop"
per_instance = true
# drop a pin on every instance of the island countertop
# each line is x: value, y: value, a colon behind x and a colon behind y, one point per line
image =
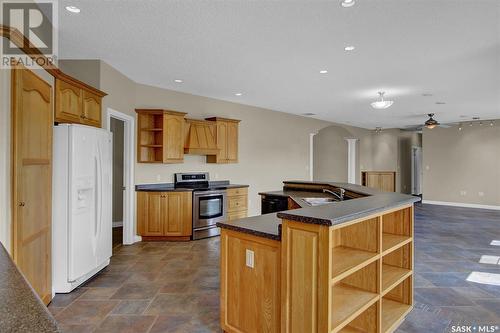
x: 371, y: 201
x: 20, y: 309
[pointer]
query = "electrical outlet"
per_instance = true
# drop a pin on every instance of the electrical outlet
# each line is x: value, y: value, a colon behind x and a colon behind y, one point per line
x: 481, y: 194
x: 463, y: 193
x: 249, y: 258
x: 427, y: 167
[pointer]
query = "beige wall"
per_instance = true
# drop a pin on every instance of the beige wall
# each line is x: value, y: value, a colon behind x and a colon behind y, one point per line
x: 87, y: 71
x: 467, y: 160
x: 389, y: 150
x: 273, y: 146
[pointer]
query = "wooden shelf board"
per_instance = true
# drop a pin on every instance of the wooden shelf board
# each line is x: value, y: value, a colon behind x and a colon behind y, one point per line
x: 347, y: 260
x: 152, y: 129
x: 392, y: 276
x: 391, y: 242
x: 152, y: 146
x: 348, y: 303
x: 392, y: 313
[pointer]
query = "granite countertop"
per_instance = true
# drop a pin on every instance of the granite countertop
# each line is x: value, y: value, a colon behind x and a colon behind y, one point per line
x: 330, y: 214
x: 166, y: 187
x: 21, y: 310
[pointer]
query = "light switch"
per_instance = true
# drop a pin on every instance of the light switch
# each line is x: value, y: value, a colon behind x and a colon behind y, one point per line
x: 249, y: 258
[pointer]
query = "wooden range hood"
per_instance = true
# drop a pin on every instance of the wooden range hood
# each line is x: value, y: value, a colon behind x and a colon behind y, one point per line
x: 199, y: 137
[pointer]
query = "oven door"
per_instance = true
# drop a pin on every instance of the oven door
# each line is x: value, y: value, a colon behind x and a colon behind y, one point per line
x: 209, y: 208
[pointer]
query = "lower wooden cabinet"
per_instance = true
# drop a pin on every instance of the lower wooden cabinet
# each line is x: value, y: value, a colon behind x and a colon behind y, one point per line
x: 250, y: 296
x: 237, y: 203
x: 382, y: 180
x: 163, y: 215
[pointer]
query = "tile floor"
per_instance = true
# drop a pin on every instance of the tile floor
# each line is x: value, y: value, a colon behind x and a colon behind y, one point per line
x: 174, y: 287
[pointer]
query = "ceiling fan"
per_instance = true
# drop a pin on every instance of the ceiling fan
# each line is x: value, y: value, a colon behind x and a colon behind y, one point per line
x: 429, y: 123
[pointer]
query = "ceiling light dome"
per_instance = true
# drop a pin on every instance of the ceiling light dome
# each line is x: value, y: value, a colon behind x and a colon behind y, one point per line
x: 431, y: 123
x: 347, y: 3
x: 381, y: 104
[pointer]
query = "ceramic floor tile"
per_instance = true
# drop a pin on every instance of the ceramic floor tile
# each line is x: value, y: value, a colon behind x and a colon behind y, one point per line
x: 126, y: 324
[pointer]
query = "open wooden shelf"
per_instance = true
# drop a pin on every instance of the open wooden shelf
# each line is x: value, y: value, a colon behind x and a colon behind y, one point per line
x: 347, y: 260
x: 392, y: 276
x: 152, y: 146
x: 348, y: 302
x: 391, y: 242
x: 393, y: 313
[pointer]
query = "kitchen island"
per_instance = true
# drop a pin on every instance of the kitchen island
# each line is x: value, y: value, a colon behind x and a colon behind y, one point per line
x: 339, y: 266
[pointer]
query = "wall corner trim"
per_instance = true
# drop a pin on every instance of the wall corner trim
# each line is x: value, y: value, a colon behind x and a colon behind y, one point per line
x: 460, y: 204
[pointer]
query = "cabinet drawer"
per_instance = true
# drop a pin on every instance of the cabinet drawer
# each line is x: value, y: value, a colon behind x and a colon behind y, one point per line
x: 237, y: 191
x: 236, y: 215
x: 237, y: 203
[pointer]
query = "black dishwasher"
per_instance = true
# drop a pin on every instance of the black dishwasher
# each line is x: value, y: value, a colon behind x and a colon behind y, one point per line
x: 273, y: 204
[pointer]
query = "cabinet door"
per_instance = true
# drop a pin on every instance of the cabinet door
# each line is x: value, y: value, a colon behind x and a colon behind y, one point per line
x: 150, y: 209
x: 222, y: 131
x: 232, y: 142
x: 91, y: 109
x: 387, y: 182
x: 179, y: 218
x: 68, y: 103
x: 173, y: 138
x: 372, y: 180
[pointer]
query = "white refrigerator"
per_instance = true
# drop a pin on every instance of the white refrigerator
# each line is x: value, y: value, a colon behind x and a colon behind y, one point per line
x: 82, y: 200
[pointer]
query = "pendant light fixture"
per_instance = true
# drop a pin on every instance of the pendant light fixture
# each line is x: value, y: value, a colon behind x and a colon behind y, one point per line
x: 381, y: 103
x: 431, y: 123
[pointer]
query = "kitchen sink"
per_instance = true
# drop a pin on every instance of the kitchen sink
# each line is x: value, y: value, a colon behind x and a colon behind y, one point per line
x: 318, y: 201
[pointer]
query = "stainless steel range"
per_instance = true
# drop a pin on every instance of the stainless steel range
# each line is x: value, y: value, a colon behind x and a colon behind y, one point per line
x: 209, y: 205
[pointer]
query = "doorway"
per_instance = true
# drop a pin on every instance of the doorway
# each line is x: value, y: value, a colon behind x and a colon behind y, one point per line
x: 117, y: 127
x: 123, y: 126
x: 416, y: 170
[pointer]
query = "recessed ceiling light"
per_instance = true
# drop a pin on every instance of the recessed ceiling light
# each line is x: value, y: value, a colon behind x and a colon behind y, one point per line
x: 349, y: 48
x: 426, y: 94
x: 440, y: 103
x: 238, y: 94
x: 73, y: 9
x: 347, y: 3
x: 178, y: 81
x: 323, y: 71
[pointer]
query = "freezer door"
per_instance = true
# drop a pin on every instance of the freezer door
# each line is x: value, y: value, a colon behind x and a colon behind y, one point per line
x: 89, y: 161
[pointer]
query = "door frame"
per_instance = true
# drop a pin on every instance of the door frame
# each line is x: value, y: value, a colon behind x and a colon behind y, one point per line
x: 129, y: 233
x: 414, y: 150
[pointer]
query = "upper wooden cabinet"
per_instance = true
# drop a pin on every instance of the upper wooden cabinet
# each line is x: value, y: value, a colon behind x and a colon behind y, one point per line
x: 226, y: 136
x: 160, y: 136
x: 77, y: 103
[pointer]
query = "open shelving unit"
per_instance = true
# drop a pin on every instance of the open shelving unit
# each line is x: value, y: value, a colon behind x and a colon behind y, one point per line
x: 150, y: 137
x: 371, y: 275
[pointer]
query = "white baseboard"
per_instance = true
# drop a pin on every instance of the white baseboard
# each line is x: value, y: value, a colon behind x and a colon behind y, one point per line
x: 137, y: 238
x: 460, y: 204
x: 117, y: 224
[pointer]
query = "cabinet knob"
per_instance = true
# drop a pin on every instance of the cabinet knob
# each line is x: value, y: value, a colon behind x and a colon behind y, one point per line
x: 22, y: 204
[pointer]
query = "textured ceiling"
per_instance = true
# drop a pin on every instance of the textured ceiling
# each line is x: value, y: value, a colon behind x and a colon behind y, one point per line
x: 272, y: 52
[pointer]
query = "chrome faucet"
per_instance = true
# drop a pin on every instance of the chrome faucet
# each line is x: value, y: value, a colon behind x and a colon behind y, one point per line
x: 339, y: 196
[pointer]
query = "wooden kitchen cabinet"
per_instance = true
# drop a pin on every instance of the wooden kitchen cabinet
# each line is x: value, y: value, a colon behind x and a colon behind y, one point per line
x: 227, y: 140
x: 237, y: 203
x: 164, y: 215
x: 160, y: 136
x: 250, y: 296
x: 77, y: 103
x: 382, y: 180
